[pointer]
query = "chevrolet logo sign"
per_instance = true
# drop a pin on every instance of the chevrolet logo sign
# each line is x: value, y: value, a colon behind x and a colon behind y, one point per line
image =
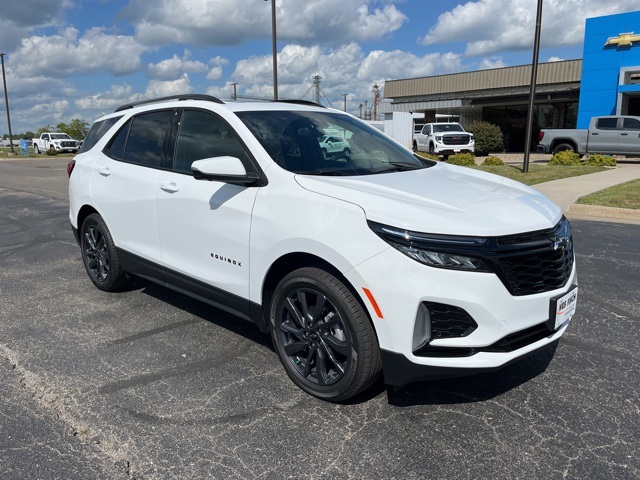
x: 623, y: 40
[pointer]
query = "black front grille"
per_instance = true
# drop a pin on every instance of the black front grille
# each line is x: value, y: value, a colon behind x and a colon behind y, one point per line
x: 535, y: 262
x: 68, y: 144
x: 455, y: 139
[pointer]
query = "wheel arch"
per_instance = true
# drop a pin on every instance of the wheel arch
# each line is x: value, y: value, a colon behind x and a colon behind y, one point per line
x: 560, y: 141
x: 294, y: 261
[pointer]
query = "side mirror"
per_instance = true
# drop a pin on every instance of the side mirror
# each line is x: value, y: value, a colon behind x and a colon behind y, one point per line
x: 224, y: 169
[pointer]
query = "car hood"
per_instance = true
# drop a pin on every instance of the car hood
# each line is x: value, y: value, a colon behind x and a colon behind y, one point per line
x: 442, y: 199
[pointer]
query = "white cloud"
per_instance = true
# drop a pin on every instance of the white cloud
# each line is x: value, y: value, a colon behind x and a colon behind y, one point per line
x: 67, y: 54
x: 173, y: 68
x: 344, y: 70
x: 19, y: 18
x: 217, y: 64
x: 222, y: 22
x: 107, y: 101
x: 555, y: 59
x: 159, y: 88
x: 489, y: 26
x: 491, y: 62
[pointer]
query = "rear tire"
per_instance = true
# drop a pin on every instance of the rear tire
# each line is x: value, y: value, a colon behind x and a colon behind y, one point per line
x: 323, y: 335
x: 36, y: 149
x: 99, y: 255
x: 562, y: 147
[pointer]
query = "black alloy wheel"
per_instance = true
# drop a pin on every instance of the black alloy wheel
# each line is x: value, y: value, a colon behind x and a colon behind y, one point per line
x: 323, y: 336
x: 99, y: 254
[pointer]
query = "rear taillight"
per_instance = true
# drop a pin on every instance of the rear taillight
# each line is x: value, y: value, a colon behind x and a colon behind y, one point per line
x: 540, y: 135
x: 70, y: 166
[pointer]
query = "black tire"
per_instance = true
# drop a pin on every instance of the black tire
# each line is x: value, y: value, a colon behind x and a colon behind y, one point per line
x: 36, y: 149
x: 562, y: 147
x: 346, y: 152
x: 324, y: 152
x: 414, y: 147
x: 99, y: 255
x: 323, y: 336
x: 432, y: 150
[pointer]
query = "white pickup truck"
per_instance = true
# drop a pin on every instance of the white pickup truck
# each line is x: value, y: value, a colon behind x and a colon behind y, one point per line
x: 60, y: 142
x: 443, y: 139
x: 607, y: 134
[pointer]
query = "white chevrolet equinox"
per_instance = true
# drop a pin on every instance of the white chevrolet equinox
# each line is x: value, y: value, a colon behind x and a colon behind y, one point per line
x: 364, y: 262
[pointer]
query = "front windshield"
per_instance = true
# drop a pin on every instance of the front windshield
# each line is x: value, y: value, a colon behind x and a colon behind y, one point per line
x: 447, y: 127
x: 327, y: 143
x: 60, y: 136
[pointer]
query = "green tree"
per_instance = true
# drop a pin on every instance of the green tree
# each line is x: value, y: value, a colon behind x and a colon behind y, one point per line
x: 76, y: 129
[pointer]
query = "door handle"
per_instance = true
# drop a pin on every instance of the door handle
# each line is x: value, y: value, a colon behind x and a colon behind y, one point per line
x: 104, y: 171
x: 624, y: 134
x: 169, y: 187
x: 594, y: 133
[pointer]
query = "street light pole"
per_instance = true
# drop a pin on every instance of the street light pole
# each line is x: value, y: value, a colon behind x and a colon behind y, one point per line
x: 345, y: 101
x: 6, y: 101
x: 275, y: 50
x: 532, y: 91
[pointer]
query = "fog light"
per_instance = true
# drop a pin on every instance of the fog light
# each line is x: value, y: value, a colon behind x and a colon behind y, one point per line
x: 422, y: 328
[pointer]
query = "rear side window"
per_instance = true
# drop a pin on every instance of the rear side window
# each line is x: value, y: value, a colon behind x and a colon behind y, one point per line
x: 631, y: 124
x: 607, y: 123
x: 144, y: 140
x: 97, y: 130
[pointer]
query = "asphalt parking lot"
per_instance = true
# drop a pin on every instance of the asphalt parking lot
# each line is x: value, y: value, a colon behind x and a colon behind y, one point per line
x: 148, y: 383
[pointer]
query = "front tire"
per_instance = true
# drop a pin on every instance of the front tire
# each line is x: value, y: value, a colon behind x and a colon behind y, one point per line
x: 99, y: 255
x: 323, y: 336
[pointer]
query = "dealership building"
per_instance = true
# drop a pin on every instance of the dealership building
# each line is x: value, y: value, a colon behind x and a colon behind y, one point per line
x: 606, y: 81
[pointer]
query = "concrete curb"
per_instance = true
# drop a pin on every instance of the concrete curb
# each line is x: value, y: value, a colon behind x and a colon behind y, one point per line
x: 607, y: 214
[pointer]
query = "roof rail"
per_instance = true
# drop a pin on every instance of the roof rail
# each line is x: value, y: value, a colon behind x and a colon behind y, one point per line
x: 186, y: 96
x: 302, y: 102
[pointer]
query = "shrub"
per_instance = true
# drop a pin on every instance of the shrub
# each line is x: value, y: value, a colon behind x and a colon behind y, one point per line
x: 488, y: 137
x: 52, y: 152
x: 465, y: 159
x: 565, y: 157
x: 428, y: 155
x: 493, y: 161
x: 600, y: 160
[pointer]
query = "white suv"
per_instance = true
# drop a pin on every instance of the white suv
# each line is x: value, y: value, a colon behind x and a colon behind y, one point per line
x: 376, y: 261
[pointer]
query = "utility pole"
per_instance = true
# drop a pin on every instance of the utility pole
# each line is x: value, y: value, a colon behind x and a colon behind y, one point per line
x: 275, y: 49
x: 235, y: 91
x: 345, y: 101
x: 6, y: 101
x: 532, y: 91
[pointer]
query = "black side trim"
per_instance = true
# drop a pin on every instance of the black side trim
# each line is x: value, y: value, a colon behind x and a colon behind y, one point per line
x: 76, y: 234
x: 201, y: 291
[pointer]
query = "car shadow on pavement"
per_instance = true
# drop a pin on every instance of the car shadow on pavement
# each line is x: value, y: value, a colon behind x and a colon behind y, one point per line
x: 474, y: 388
x: 202, y: 310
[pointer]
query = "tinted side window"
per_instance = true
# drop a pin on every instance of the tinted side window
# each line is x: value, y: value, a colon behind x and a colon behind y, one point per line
x: 115, y: 148
x: 205, y: 135
x: 148, y: 139
x: 607, y: 123
x: 631, y: 124
x: 97, y: 130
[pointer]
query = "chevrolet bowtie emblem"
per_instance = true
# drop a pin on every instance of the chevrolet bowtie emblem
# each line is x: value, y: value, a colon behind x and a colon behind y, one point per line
x: 623, y: 40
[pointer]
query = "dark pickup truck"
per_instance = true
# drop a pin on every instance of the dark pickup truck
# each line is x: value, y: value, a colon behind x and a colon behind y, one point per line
x: 609, y: 134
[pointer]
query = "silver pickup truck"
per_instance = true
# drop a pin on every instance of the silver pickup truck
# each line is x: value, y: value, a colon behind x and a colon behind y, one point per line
x: 608, y: 134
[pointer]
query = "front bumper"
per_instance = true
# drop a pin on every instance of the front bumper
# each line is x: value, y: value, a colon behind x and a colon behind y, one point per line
x: 508, y: 327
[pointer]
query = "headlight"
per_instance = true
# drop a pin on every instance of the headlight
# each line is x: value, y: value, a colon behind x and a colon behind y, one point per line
x: 439, y: 139
x: 435, y: 250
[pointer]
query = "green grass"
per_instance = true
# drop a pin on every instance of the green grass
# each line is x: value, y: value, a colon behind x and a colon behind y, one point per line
x: 539, y: 173
x: 625, y: 195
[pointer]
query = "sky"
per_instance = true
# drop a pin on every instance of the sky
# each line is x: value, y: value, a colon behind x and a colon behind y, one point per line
x: 71, y: 59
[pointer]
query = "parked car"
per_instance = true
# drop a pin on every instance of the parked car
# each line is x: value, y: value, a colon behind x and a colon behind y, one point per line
x: 60, y: 142
x: 443, y: 139
x: 331, y: 145
x: 608, y: 134
x: 380, y: 262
